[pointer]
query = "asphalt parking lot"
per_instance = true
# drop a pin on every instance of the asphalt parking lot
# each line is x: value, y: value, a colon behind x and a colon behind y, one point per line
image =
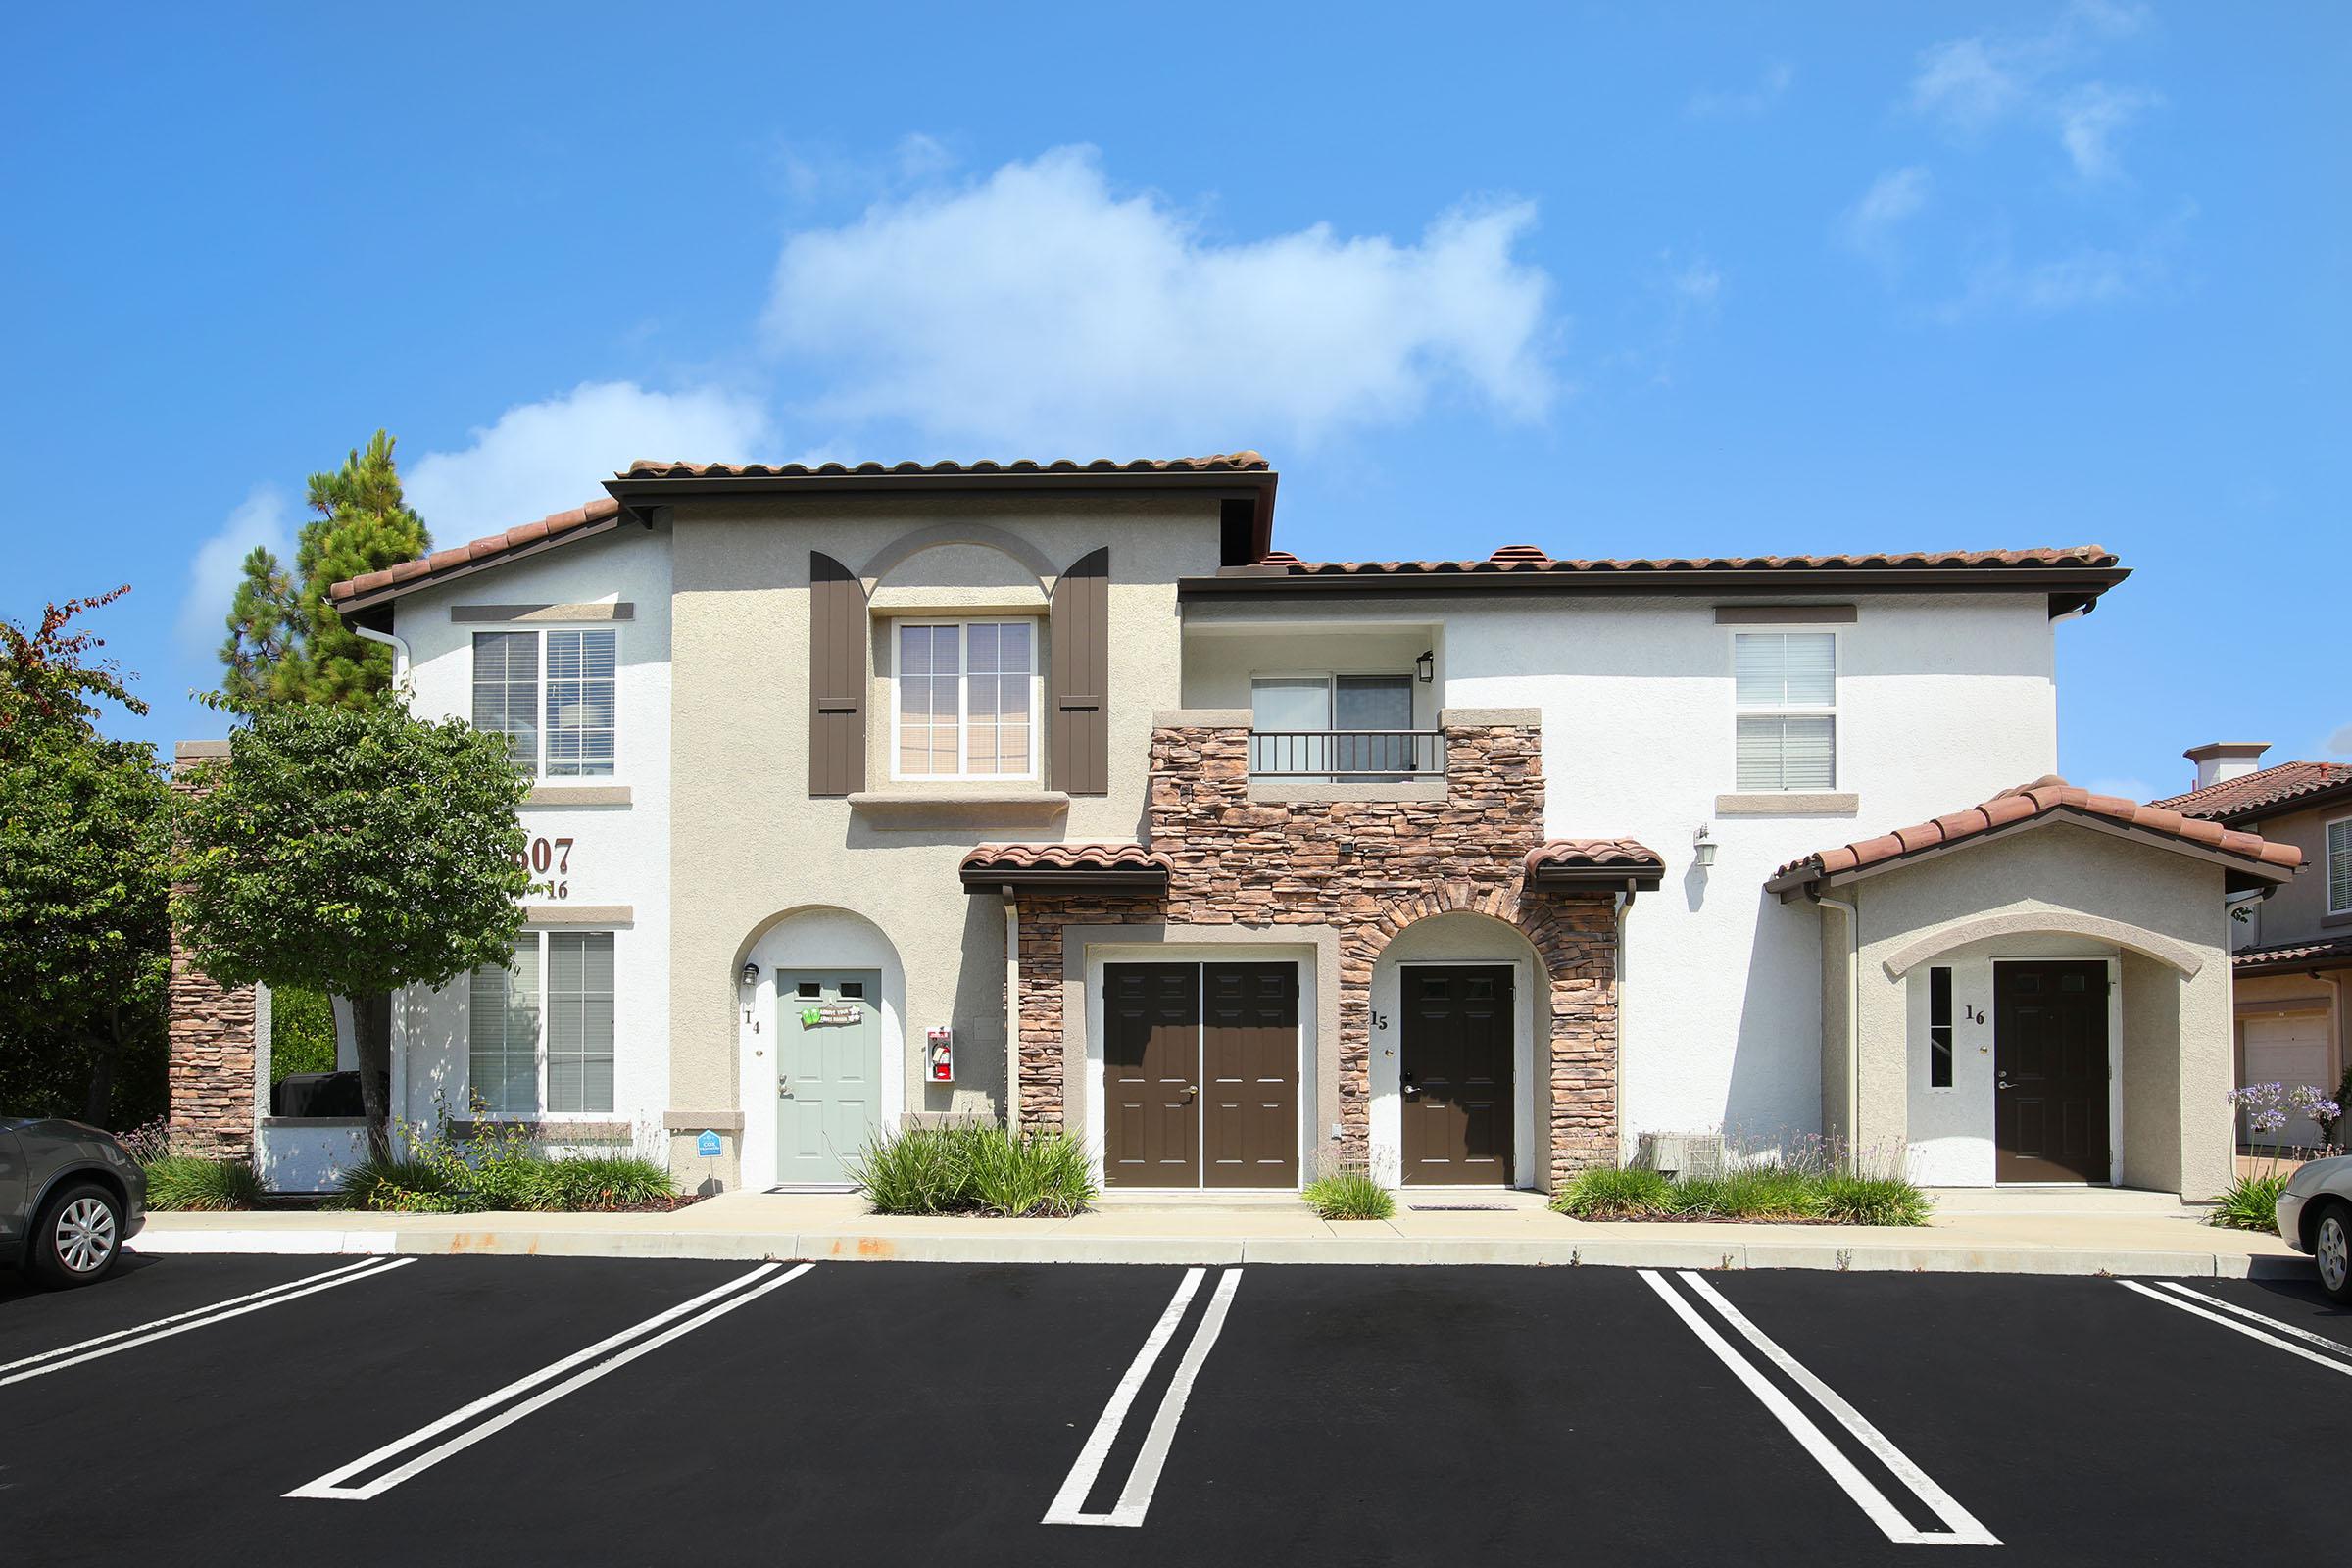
x: 391, y: 1411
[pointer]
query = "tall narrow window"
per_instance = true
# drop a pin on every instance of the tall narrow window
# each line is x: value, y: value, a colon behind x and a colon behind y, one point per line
x: 967, y: 700
x: 2339, y: 867
x: 503, y: 1035
x: 579, y: 1020
x: 1786, y: 690
x: 1939, y: 1028
x: 506, y: 691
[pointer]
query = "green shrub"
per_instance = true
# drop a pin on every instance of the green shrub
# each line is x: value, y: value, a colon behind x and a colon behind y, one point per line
x: 1611, y: 1192
x: 1758, y: 1193
x: 601, y: 1181
x: 189, y: 1182
x: 382, y: 1182
x: 987, y: 1170
x: 302, y: 1032
x: 1851, y: 1198
x: 2250, y: 1203
x: 1349, y: 1195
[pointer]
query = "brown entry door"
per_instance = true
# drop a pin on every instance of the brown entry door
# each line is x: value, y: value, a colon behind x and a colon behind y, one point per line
x: 2049, y: 1053
x: 1151, y: 1074
x: 1250, y: 1051
x: 1457, y: 1075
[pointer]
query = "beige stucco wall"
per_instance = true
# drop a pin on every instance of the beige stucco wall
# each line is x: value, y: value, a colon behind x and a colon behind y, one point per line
x: 2100, y: 893
x: 2299, y: 909
x: 748, y: 843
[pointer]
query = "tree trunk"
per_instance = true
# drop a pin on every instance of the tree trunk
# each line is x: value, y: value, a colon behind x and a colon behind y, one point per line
x: 371, y: 1039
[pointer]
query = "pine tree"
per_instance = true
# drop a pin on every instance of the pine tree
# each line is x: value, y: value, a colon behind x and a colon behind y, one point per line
x: 261, y: 629
x: 362, y: 526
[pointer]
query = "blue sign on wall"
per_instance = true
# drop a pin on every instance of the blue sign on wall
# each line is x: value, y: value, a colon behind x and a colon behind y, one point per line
x: 707, y: 1145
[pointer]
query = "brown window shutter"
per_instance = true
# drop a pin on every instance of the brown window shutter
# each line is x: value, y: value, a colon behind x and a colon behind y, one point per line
x: 836, y: 677
x: 1079, y: 695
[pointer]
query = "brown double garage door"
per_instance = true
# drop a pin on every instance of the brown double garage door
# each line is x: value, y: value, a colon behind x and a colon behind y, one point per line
x: 1200, y: 1074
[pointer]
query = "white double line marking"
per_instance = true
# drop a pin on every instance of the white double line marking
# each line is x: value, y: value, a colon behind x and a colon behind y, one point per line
x: 164, y: 1328
x: 639, y: 1340
x: 2199, y: 1305
x: 1134, y: 1498
x: 1961, y: 1528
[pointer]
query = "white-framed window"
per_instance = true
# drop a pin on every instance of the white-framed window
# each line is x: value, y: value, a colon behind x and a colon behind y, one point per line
x: 2339, y: 867
x: 539, y: 1036
x: 1324, y: 725
x: 1786, y: 691
x: 964, y: 699
x: 553, y: 693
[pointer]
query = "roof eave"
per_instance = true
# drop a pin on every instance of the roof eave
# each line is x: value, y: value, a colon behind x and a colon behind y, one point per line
x: 639, y: 489
x: 1597, y: 879
x: 2310, y: 800
x: 350, y: 608
x: 2070, y: 588
x: 980, y: 879
x: 2242, y: 874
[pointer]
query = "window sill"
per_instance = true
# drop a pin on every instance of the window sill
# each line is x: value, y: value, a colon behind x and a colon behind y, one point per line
x: 592, y: 1125
x: 1301, y: 792
x: 908, y: 809
x: 1774, y: 803
x: 578, y: 795
x: 595, y: 914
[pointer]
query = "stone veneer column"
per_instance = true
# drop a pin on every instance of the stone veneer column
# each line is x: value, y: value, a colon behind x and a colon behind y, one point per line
x: 1370, y: 868
x: 210, y: 1084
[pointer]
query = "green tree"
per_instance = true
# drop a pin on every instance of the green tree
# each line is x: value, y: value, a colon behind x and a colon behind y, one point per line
x: 286, y: 643
x: 355, y: 849
x: 261, y: 629
x: 85, y: 882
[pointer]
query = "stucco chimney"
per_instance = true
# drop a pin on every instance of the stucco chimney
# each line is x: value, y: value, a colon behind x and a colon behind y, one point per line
x: 2220, y: 762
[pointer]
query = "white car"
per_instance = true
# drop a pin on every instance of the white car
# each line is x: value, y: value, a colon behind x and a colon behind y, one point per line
x: 2314, y: 1216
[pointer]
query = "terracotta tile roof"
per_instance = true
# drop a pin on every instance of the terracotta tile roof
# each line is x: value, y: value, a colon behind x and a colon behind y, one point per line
x: 1219, y: 463
x: 1596, y: 862
x: 443, y: 563
x: 2260, y: 791
x: 1079, y: 865
x: 2331, y: 952
x: 1531, y: 559
x: 2023, y: 804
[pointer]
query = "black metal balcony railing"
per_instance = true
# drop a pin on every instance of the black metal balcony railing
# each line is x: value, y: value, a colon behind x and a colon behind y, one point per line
x: 1347, y: 756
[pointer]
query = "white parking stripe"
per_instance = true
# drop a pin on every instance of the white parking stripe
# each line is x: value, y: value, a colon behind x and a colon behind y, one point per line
x: 2320, y: 1340
x: 1134, y: 1498
x: 1070, y: 1503
x: 2248, y: 1330
x: 376, y: 1268
x: 1963, y: 1526
x: 182, y: 1317
x: 1964, y: 1530
x: 735, y: 1295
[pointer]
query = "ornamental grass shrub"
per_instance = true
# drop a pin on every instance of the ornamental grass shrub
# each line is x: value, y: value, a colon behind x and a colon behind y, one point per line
x: 500, y: 1166
x: 192, y: 1182
x: 2250, y: 1202
x: 1349, y: 1195
x: 1814, y: 1183
x: 974, y: 1170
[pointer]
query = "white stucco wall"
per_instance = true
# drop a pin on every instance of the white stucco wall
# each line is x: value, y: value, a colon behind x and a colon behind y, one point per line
x: 619, y: 853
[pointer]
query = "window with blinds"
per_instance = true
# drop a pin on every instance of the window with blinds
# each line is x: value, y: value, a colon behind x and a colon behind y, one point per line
x: 1786, y: 692
x: 539, y: 1036
x: 966, y: 699
x: 555, y: 695
x: 2339, y: 867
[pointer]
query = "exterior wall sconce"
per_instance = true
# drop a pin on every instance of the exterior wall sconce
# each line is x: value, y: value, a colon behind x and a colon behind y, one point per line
x: 751, y: 971
x: 1702, y: 847
x: 1425, y: 669
x: 750, y: 980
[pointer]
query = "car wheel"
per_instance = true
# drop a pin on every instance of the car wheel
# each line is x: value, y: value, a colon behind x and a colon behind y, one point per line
x: 79, y: 1237
x: 2331, y: 1249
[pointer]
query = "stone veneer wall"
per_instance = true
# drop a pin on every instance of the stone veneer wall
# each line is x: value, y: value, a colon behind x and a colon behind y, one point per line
x: 210, y: 1084
x: 1369, y: 869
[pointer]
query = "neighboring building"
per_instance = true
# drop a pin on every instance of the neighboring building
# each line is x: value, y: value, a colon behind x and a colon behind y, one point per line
x: 1473, y: 871
x: 2293, y: 952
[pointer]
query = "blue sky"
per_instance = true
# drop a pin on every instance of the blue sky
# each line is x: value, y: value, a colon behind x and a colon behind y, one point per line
x: 1614, y: 281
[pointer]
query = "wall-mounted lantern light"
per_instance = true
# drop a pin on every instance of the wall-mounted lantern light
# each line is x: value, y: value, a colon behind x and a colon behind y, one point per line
x: 1702, y: 847
x: 751, y: 981
x: 1425, y: 669
x: 751, y: 975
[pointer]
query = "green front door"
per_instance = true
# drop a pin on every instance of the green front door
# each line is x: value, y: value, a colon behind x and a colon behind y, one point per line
x: 828, y: 1071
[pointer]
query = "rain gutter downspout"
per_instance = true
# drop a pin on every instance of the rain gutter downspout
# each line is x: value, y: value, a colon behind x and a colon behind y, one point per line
x: 1625, y: 908
x: 1012, y: 1007
x: 400, y: 650
x: 1853, y: 1021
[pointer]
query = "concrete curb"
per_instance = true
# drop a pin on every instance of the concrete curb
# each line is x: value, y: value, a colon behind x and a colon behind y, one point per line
x: 1581, y: 1251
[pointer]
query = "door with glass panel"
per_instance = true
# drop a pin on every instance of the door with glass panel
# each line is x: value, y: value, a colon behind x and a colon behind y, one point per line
x: 828, y: 1071
x: 1320, y: 728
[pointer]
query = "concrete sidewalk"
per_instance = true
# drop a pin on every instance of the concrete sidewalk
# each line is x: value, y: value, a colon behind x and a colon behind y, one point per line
x: 2028, y: 1231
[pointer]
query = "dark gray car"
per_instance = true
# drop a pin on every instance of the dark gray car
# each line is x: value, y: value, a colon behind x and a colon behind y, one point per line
x: 69, y: 1198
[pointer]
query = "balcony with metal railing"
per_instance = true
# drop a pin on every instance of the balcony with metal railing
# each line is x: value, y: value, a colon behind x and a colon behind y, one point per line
x: 1346, y: 755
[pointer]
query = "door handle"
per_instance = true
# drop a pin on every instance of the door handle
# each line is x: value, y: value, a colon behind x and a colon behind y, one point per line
x: 783, y: 1090
x: 1412, y: 1090
x: 2002, y: 1082
x: 1189, y: 1092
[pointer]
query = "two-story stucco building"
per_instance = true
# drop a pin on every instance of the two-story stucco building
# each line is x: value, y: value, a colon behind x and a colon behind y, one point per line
x: 1054, y: 792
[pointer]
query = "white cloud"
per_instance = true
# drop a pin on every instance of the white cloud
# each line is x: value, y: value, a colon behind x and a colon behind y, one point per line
x: 2339, y: 744
x: 1892, y: 199
x: 1698, y: 284
x: 544, y: 457
x: 2090, y: 275
x: 220, y: 562
x: 1975, y: 83
x: 1035, y: 311
x: 1767, y: 90
x: 2090, y: 116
